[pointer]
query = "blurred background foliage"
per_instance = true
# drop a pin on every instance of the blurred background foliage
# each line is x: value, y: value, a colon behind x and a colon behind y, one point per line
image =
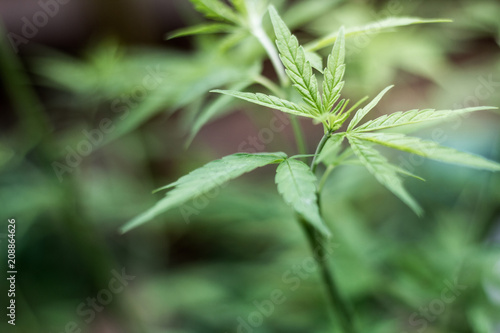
x: 108, y: 60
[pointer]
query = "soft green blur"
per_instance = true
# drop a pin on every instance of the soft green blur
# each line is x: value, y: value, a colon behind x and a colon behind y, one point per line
x: 132, y: 110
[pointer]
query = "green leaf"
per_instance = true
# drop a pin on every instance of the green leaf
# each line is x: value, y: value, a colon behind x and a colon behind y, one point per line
x: 407, y: 173
x: 240, y: 6
x: 383, y: 171
x: 297, y: 184
x: 371, y: 28
x: 301, y: 13
x: 334, y: 73
x: 209, y: 28
x: 364, y: 111
x: 331, y: 149
x: 429, y: 149
x: 268, y: 101
x: 194, y: 77
x: 204, y: 179
x: 297, y: 66
x: 414, y: 117
x: 216, y: 9
x: 315, y: 61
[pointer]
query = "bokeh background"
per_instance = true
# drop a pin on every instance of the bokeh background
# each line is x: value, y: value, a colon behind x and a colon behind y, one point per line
x: 98, y: 77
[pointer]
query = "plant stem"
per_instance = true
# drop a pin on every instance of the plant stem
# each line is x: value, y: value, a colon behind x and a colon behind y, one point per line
x: 321, y: 145
x: 324, y: 178
x: 341, y: 310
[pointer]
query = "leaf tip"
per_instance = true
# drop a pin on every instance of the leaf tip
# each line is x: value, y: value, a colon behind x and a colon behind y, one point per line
x: 125, y: 228
x: 420, y: 213
x: 442, y: 20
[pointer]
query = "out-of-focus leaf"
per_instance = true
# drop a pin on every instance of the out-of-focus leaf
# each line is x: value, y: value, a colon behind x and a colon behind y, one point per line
x: 371, y: 28
x: 208, y: 28
x: 216, y: 9
x: 303, y: 12
x: 315, y: 61
x: 332, y: 147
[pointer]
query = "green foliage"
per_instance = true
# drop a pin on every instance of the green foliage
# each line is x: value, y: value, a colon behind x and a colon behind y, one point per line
x: 204, y: 179
x: 371, y: 28
x: 245, y: 233
x: 334, y: 73
x: 209, y: 28
x: 384, y: 172
x: 326, y: 108
x: 332, y: 148
x: 298, y: 68
x: 361, y: 113
x: 297, y: 184
x: 429, y: 149
x: 217, y: 10
x: 269, y: 101
x: 414, y: 117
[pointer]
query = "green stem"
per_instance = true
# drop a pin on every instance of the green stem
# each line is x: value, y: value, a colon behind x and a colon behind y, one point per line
x: 324, y: 178
x: 341, y: 310
x: 321, y: 145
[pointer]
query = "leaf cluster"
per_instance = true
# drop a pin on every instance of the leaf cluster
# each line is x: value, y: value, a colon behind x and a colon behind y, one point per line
x: 295, y: 180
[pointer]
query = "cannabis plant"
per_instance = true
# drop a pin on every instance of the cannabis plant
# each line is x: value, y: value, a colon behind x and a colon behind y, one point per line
x: 344, y: 141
